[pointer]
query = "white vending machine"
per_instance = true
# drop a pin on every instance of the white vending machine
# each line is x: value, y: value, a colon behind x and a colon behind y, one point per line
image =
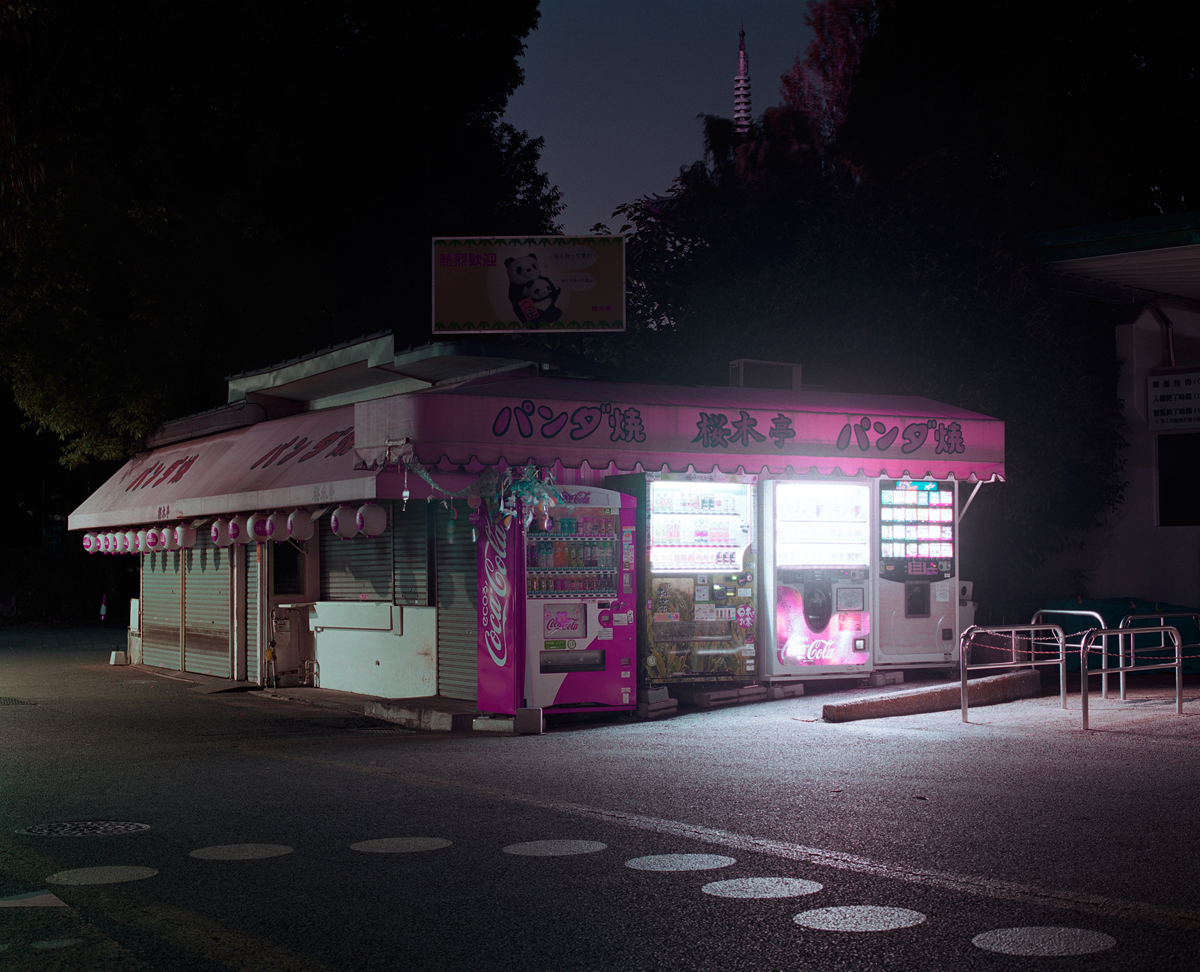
x: 918, y: 583
x: 818, y: 590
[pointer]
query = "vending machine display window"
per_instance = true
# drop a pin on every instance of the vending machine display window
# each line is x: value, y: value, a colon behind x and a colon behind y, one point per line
x: 916, y: 530
x: 699, y: 526
x: 822, y: 525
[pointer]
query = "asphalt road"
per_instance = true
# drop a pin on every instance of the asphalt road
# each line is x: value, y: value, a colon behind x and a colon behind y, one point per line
x: 286, y: 837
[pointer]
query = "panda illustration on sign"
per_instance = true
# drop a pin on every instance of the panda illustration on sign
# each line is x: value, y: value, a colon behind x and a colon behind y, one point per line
x: 531, y: 294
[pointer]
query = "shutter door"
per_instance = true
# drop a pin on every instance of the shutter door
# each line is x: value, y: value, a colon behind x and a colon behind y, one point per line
x: 457, y: 596
x: 253, y: 665
x: 207, y: 646
x: 358, y: 569
x: 410, y: 552
x: 160, y: 609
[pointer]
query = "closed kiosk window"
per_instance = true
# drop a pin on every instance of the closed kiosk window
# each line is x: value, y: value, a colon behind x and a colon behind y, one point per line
x: 358, y: 569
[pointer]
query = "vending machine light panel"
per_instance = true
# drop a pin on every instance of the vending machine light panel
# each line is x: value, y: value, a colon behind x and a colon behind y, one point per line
x: 916, y: 530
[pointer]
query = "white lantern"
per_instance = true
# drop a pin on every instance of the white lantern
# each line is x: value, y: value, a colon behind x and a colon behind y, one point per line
x: 154, y: 539
x: 371, y: 519
x: 106, y: 543
x: 279, y: 526
x: 139, y: 541
x: 185, y: 536
x: 220, y: 533
x: 300, y: 526
x: 261, y: 527
x: 91, y: 542
x: 170, y: 538
x: 239, y: 529
x: 128, y: 539
x: 344, y: 521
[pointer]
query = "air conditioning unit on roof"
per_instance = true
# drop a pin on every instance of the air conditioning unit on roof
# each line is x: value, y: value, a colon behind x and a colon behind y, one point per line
x: 748, y: 373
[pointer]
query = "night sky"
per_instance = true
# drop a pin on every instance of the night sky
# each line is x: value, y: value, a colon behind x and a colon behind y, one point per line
x: 615, y: 87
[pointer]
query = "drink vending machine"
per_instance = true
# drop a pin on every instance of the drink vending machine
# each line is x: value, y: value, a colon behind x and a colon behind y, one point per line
x: 580, y: 584
x: 697, y: 603
x: 818, y: 584
x: 918, y: 596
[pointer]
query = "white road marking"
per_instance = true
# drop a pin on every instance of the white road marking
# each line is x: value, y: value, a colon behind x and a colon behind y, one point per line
x: 1036, y: 940
x: 400, y: 845
x: 101, y: 875
x: 554, y: 848
x: 1093, y: 904
x: 762, y: 887
x: 859, y: 918
x: 241, y: 852
x: 680, y: 862
x: 32, y: 899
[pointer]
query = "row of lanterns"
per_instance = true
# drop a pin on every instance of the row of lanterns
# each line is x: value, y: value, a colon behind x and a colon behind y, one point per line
x: 370, y: 520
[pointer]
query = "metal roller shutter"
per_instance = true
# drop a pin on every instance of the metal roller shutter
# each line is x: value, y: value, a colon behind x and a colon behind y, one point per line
x: 160, y: 609
x: 207, y: 646
x: 253, y: 568
x: 457, y: 597
x: 358, y: 569
x: 410, y: 553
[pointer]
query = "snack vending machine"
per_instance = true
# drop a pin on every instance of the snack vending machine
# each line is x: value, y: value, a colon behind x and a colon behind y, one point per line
x: 918, y: 590
x: 580, y: 584
x: 697, y: 601
x: 817, y: 590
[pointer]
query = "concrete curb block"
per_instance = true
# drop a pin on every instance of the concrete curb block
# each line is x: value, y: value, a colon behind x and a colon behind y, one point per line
x: 412, y: 717
x: 980, y: 691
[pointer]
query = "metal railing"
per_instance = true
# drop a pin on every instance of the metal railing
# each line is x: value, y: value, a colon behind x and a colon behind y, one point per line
x: 1023, y: 642
x: 1129, y: 620
x: 1122, y: 635
x: 1039, y: 616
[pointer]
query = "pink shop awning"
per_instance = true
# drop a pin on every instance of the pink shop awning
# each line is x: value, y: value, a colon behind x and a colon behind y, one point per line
x: 301, y: 460
x: 549, y: 420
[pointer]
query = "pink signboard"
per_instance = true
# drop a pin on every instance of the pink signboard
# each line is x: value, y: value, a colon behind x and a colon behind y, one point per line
x: 544, y: 420
x: 501, y: 638
x: 797, y: 644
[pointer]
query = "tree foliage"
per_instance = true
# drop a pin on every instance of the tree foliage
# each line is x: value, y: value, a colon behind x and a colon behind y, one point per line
x: 222, y: 191
x: 901, y: 265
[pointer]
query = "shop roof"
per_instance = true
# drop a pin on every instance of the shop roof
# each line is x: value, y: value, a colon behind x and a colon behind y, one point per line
x: 619, y: 426
x: 358, y: 452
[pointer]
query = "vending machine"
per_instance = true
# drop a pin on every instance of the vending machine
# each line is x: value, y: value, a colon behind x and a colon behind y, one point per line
x: 697, y: 604
x: 817, y: 584
x: 580, y: 587
x: 918, y: 591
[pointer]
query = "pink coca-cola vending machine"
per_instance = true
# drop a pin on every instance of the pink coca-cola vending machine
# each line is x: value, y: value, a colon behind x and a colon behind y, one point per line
x: 556, y: 608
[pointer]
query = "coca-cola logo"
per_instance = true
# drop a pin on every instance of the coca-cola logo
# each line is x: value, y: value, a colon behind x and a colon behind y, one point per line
x: 496, y: 595
x: 562, y: 621
x: 582, y: 498
x: 828, y: 650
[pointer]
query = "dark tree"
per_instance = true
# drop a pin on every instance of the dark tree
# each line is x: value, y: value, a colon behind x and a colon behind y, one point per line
x: 909, y: 277
x: 192, y: 194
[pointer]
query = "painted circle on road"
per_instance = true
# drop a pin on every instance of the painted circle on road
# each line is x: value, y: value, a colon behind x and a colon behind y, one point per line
x: 101, y: 875
x: 1043, y: 940
x: 859, y: 918
x: 680, y: 862
x: 400, y: 845
x: 762, y: 887
x: 241, y: 852
x: 554, y: 848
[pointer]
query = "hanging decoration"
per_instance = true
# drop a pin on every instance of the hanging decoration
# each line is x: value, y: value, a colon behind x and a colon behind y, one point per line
x: 504, y: 493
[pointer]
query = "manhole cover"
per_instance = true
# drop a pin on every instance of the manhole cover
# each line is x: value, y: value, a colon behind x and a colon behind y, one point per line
x: 85, y: 828
x: 15, y: 702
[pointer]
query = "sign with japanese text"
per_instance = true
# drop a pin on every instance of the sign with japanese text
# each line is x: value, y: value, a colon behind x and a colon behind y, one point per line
x: 1173, y: 401
x: 554, y: 420
x: 523, y: 284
